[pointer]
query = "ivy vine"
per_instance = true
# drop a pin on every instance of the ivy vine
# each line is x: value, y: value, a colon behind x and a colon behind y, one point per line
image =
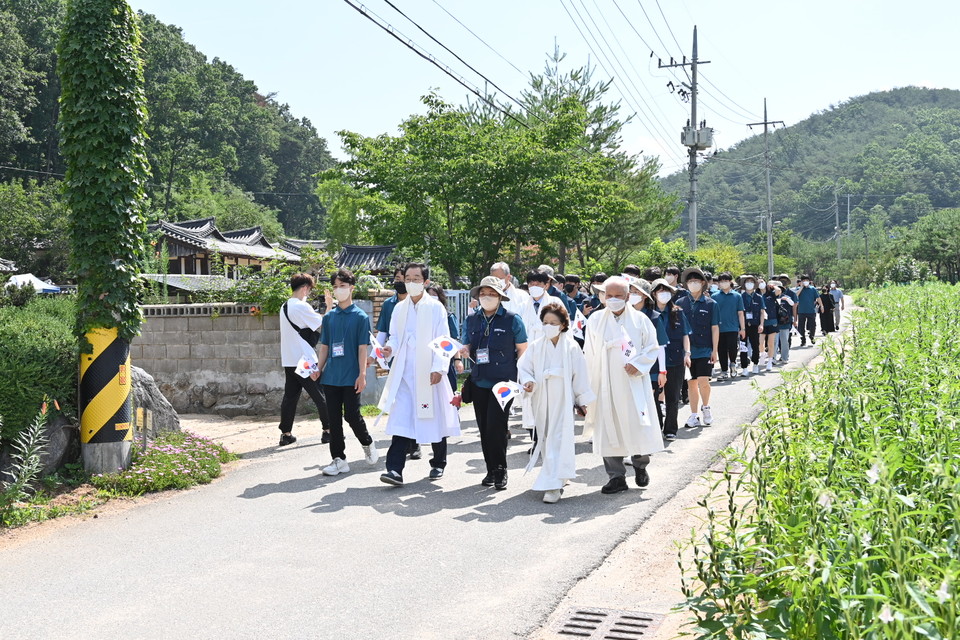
x: 103, y: 140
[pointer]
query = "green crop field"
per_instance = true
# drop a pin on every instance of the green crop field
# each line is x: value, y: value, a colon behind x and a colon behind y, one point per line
x: 845, y: 521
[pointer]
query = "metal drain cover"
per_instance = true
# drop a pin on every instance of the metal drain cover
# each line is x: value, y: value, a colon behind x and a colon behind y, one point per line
x: 607, y: 624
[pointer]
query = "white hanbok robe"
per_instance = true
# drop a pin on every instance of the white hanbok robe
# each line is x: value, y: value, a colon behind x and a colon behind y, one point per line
x: 518, y: 302
x: 559, y: 374
x: 623, y: 419
x: 417, y: 409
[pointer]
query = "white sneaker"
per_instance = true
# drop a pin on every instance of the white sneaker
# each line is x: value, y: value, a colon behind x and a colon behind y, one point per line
x: 371, y: 453
x: 693, y: 421
x: 723, y: 375
x: 335, y: 468
x: 707, y: 416
x: 756, y: 369
x: 552, y: 496
x: 769, y: 365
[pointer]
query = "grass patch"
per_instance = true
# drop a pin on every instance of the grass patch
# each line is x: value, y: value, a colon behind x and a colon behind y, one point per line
x: 47, y: 504
x: 369, y: 411
x: 175, y: 460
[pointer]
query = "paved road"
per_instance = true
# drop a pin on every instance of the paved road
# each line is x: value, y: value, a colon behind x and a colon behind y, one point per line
x: 276, y: 550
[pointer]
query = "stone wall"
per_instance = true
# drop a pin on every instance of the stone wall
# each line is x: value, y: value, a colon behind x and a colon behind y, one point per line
x: 221, y: 358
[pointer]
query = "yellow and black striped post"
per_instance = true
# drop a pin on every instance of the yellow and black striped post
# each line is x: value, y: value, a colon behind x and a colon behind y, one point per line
x: 105, y: 430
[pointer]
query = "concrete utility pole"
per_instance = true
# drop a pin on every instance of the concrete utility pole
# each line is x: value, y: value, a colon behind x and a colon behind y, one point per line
x: 836, y: 221
x: 848, y: 215
x: 766, y: 164
x: 695, y: 136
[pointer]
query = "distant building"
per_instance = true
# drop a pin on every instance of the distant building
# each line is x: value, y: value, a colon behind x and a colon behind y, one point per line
x: 378, y: 260
x: 7, y: 265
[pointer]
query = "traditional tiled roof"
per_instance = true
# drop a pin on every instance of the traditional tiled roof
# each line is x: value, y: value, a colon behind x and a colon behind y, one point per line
x: 7, y: 265
x: 203, y: 234
x: 189, y: 282
x: 372, y: 258
x: 294, y: 245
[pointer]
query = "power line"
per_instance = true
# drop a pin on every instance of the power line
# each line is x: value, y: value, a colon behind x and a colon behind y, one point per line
x: 662, y: 15
x: 393, y: 32
x: 487, y: 45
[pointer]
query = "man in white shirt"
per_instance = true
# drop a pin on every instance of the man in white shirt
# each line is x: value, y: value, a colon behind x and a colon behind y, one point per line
x: 296, y: 315
x: 519, y: 299
x: 537, y: 284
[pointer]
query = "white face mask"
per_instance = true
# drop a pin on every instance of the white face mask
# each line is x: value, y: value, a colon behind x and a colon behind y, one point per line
x: 805, y: 283
x: 437, y: 298
x: 551, y: 330
x: 616, y: 304
x: 695, y: 286
x: 506, y: 283
x: 635, y: 298
x: 664, y: 296
x: 672, y: 279
x: 341, y: 293
x: 763, y: 285
x: 748, y: 286
x: 414, y: 288
x: 536, y: 291
x: 833, y: 285
x: 489, y: 303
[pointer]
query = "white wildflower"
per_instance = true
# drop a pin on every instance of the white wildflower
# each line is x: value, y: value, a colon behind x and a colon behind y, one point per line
x: 886, y: 614
x: 825, y: 500
x: 873, y: 474
x: 942, y: 593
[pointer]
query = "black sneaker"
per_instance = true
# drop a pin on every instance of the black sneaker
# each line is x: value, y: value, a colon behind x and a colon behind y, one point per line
x: 500, y: 479
x: 287, y: 438
x: 670, y: 437
x: 325, y: 437
x: 803, y: 343
x: 392, y: 477
x: 436, y: 473
x: 416, y: 454
x: 643, y: 478
x: 487, y: 479
x: 615, y: 485
x: 812, y: 340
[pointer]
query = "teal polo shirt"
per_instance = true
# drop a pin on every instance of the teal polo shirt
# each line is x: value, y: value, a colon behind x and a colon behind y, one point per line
x: 386, y: 312
x: 807, y: 297
x: 350, y: 327
x: 729, y: 304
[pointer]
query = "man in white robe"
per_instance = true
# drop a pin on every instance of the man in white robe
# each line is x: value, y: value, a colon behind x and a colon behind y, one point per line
x: 518, y: 299
x: 620, y: 347
x: 418, y: 405
x: 553, y: 373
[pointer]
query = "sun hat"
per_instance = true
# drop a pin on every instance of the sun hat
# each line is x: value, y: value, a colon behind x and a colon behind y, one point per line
x: 494, y: 283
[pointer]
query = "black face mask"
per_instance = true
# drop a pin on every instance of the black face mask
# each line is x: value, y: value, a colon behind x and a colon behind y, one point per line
x: 569, y: 288
x: 400, y: 287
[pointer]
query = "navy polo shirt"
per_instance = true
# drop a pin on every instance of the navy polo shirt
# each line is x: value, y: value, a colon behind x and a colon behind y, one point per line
x: 693, y: 308
x: 753, y: 303
x: 386, y: 312
x: 349, y: 326
x: 807, y: 297
x: 519, y: 337
x: 729, y: 304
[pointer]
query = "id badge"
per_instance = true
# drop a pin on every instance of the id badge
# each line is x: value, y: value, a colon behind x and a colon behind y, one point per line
x: 749, y: 315
x: 337, y: 350
x: 483, y: 356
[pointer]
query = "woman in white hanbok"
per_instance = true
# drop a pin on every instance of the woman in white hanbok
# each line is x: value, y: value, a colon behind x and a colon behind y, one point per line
x: 553, y: 374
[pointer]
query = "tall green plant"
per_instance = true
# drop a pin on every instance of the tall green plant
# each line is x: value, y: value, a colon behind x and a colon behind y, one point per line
x: 102, y: 117
x: 26, y: 466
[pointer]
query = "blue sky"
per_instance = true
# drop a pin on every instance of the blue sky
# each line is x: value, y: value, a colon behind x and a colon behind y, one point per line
x: 338, y: 69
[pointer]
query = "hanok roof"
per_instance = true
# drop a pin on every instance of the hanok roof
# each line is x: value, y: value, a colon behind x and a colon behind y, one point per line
x: 189, y: 282
x: 7, y: 265
x: 294, y: 245
x: 372, y: 258
x: 203, y: 234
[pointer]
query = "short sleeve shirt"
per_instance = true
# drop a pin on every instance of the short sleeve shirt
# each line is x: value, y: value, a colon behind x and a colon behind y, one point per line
x: 729, y: 304
x: 344, y: 331
x: 292, y: 346
x: 386, y: 312
x: 807, y: 297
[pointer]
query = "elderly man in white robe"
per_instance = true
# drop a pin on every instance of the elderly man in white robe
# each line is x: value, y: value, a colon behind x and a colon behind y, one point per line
x: 418, y: 405
x: 620, y: 347
x: 553, y: 374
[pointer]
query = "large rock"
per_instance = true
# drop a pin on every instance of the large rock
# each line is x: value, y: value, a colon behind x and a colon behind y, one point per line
x: 63, y: 446
x: 146, y: 395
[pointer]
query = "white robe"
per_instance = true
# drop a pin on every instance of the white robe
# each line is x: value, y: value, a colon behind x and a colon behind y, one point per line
x: 531, y: 317
x: 623, y: 417
x: 417, y: 409
x: 518, y: 302
x: 559, y: 374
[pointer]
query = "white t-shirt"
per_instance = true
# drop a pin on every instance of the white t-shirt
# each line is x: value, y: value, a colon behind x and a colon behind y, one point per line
x: 292, y: 346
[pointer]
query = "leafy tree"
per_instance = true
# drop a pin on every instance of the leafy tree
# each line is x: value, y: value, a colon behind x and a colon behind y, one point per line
x: 935, y: 239
x: 206, y: 196
x: 16, y: 97
x: 717, y: 257
x: 34, y: 228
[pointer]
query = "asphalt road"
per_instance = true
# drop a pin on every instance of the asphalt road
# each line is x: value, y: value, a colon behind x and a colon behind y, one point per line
x: 276, y: 550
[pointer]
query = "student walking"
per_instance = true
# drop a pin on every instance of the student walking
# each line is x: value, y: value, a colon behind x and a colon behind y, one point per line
x: 808, y: 304
x: 678, y: 330
x: 732, y: 328
x: 754, y: 315
x: 342, y: 362
x: 771, y: 320
x: 298, y: 319
x: 704, y: 317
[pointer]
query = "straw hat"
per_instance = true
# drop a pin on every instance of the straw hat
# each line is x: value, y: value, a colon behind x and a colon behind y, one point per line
x: 492, y: 282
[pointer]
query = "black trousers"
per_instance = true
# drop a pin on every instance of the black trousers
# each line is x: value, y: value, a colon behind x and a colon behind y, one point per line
x: 807, y: 321
x: 344, y: 402
x: 656, y: 394
x: 675, y: 380
x: 753, y: 337
x: 397, y: 453
x: 729, y: 347
x: 492, y: 423
x: 292, y: 386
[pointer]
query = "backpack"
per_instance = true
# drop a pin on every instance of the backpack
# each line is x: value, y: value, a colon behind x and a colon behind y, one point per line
x: 784, y: 312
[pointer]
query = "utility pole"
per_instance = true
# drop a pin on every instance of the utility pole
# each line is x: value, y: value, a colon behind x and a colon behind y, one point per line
x: 836, y: 221
x: 695, y: 136
x: 766, y: 162
x: 848, y: 215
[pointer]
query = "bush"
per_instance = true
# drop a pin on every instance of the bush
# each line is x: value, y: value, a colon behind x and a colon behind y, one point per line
x: 13, y: 296
x: 846, y: 520
x: 38, y: 359
x: 173, y: 461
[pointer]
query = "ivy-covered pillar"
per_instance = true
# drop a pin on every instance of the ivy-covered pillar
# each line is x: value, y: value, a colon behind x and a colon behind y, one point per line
x: 102, y: 118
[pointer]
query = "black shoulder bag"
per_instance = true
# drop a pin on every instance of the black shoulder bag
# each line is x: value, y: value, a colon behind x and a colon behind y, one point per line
x: 309, y: 336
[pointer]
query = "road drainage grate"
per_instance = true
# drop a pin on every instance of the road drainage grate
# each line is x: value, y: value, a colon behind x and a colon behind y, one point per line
x: 607, y: 624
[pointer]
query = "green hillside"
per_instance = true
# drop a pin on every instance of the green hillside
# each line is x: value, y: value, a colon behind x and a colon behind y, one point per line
x: 898, y: 150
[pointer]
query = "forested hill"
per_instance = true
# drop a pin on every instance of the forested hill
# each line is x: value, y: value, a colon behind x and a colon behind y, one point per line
x: 897, y: 152
x: 218, y: 145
